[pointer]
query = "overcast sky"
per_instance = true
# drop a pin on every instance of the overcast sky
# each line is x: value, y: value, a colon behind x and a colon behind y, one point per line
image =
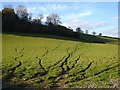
x: 101, y: 17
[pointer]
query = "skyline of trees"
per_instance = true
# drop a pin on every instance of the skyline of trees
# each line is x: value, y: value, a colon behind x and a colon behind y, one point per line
x: 51, y: 19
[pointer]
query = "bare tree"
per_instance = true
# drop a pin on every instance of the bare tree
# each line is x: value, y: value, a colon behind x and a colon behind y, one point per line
x: 70, y: 28
x: 49, y: 20
x: 79, y: 30
x: 22, y: 12
x: 86, y: 31
x: 54, y: 19
x: 30, y: 17
x: 100, y: 34
x: 93, y: 32
x: 39, y: 18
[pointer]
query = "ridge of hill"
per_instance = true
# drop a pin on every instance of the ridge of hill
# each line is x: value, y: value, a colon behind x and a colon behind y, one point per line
x: 82, y: 37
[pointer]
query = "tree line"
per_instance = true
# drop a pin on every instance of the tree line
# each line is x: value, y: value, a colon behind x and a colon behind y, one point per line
x: 19, y: 20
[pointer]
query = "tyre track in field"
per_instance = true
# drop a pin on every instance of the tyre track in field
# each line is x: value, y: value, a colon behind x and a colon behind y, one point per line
x: 65, y: 63
x: 96, y: 74
x: 61, y: 63
x: 71, y: 54
x: 82, y: 72
x: 12, y: 70
x: 76, y: 61
x: 42, y: 67
x: 102, y: 71
x: 47, y: 51
x: 17, y: 59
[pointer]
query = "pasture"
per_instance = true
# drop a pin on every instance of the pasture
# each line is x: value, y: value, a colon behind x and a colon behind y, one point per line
x: 48, y: 62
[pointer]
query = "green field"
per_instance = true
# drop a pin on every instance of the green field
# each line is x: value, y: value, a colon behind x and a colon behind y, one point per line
x: 49, y: 62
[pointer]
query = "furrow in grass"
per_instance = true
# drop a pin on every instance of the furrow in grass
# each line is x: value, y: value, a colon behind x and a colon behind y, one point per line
x: 40, y: 73
x: 84, y: 70
x: 75, y: 49
x: 96, y: 74
x: 59, y: 61
x: 75, y: 62
x: 41, y: 64
x: 55, y: 48
x: 46, y: 52
x: 106, y: 70
x: 17, y: 59
x: 12, y: 70
x: 64, y: 63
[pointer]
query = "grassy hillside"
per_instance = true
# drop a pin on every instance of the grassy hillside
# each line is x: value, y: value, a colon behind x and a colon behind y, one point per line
x: 82, y: 37
x: 39, y: 61
x: 97, y: 39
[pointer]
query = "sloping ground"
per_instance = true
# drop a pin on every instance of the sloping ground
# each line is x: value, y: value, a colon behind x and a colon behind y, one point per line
x: 98, y: 39
x: 82, y: 37
x: 46, y: 62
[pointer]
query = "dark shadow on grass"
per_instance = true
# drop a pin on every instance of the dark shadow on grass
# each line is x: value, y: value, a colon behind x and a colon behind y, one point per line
x: 6, y: 85
x: 85, y: 38
x: 37, y: 35
x: 23, y: 86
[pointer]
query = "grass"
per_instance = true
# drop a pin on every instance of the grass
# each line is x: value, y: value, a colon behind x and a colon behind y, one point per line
x: 51, y: 62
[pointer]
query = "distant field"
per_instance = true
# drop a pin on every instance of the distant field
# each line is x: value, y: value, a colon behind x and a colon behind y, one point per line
x: 48, y: 62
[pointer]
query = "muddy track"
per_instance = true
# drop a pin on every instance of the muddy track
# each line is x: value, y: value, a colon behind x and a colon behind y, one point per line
x: 55, y: 48
x: 62, y: 63
x: 40, y: 64
x: 17, y: 59
x: 83, y: 70
x: 47, y: 51
x: 59, y: 61
x: 106, y: 70
x: 75, y: 62
x: 64, y: 60
x: 46, y: 71
x: 76, y: 48
x: 65, y: 63
x: 96, y: 74
x: 12, y: 70
x: 19, y: 54
x: 71, y: 54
